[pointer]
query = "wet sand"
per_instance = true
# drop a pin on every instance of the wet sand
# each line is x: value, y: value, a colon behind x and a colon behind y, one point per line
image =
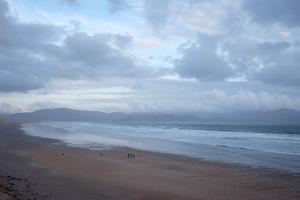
x: 47, y: 169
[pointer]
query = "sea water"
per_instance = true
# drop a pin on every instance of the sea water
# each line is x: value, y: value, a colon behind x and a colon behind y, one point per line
x: 270, y: 146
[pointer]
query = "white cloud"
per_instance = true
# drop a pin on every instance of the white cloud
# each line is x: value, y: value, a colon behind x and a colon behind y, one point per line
x: 173, y: 56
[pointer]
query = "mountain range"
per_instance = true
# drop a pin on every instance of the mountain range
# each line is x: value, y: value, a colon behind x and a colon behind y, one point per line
x: 285, y: 116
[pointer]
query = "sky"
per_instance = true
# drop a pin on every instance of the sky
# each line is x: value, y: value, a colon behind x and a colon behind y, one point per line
x: 150, y: 55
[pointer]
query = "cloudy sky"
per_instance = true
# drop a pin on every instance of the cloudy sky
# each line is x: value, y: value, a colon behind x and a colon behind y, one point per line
x: 150, y: 55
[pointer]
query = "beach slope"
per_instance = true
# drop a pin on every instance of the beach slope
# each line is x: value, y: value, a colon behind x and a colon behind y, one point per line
x: 47, y: 169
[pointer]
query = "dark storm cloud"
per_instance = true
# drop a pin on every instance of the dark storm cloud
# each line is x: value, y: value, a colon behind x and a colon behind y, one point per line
x: 156, y: 13
x: 29, y: 57
x: 280, y: 63
x: 117, y: 5
x: 14, y: 34
x: 285, y: 12
x: 201, y: 61
x: 3, y: 8
x: 268, y: 62
x: 20, y: 69
x: 92, y: 57
x: 94, y: 51
x: 217, y: 59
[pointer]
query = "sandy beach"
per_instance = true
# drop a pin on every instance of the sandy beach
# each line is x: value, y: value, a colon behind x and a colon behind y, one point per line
x: 34, y: 168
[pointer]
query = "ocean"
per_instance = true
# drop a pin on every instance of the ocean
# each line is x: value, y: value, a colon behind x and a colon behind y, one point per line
x: 268, y: 146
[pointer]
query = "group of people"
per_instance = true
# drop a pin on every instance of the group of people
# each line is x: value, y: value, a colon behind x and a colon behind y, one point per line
x: 130, y: 155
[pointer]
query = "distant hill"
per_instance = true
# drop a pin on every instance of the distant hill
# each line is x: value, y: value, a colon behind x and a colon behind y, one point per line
x: 282, y: 115
x: 285, y: 116
x: 64, y: 114
x: 159, y: 117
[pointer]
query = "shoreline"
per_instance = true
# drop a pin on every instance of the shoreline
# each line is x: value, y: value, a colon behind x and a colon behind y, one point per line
x: 227, y: 147
x: 53, y: 166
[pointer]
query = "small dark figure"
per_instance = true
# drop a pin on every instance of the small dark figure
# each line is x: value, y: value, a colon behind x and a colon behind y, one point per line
x: 128, y: 155
x: 133, y: 156
x: 63, y: 154
x: 101, y: 154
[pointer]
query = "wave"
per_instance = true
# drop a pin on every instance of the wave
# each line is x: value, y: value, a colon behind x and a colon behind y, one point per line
x: 218, y: 145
